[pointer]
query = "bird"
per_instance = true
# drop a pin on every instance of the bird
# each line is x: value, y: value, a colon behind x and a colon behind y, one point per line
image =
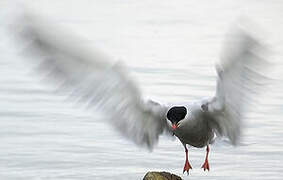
x: 91, y: 78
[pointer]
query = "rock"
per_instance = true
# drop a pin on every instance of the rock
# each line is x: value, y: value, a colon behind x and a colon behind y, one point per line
x: 161, y: 176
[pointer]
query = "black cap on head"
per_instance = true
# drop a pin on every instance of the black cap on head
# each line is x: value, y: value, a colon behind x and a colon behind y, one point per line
x: 176, y: 113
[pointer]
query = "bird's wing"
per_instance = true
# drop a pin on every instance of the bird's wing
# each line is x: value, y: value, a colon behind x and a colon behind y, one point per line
x: 239, y: 79
x: 89, y: 77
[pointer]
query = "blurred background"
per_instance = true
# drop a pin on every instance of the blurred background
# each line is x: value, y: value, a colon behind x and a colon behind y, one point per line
x: 170, y: 48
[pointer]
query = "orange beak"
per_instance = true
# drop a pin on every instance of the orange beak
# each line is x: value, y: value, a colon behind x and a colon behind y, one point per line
x: 174, y: 126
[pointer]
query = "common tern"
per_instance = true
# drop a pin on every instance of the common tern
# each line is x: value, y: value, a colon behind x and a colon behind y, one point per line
x: 90, y: 77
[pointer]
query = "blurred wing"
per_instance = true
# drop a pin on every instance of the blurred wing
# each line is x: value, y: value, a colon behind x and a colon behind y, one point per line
x: 89, y: 77
x: 239, y: 79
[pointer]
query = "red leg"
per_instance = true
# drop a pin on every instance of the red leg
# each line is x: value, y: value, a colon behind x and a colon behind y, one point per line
x: 205, y: 166
x: 187, y: 166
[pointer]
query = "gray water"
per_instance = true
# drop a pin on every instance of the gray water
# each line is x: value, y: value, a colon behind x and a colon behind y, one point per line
x: 170, y: 48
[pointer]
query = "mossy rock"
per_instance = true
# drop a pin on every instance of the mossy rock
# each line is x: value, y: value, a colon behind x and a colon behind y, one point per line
x: 161, y: 176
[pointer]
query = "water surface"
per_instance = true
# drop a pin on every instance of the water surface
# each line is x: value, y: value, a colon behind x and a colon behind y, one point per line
x: 170, y: 48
